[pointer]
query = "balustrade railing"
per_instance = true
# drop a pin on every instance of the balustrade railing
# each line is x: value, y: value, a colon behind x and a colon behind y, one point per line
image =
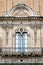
x: 10, y: 50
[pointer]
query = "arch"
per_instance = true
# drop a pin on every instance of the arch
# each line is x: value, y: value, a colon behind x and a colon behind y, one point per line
x: 24, y: 30
x: 20, y: 6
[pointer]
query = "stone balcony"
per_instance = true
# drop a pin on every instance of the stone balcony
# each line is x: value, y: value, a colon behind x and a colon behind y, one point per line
x: 9, y: 51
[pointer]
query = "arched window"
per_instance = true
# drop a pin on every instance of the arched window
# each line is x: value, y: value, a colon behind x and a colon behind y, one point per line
x: 18, y: 41
x: 24, y: 41
x: 21, y: 42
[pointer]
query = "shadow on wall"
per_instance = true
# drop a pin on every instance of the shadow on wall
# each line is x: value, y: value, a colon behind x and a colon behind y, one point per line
x: 0, y: 44
x: 42, y: 50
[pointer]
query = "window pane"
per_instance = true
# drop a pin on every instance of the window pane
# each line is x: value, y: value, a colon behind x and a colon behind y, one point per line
x: 16, y: 45
x: 25, y: 41
x: 17, y: 36
x: 25, y: 45
x: 16, y: 41
x: 25, y: 37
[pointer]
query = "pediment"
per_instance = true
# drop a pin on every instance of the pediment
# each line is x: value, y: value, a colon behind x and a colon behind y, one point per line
x: 21, y: 10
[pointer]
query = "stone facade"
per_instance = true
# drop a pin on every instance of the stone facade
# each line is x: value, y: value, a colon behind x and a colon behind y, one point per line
x: 26, y: 16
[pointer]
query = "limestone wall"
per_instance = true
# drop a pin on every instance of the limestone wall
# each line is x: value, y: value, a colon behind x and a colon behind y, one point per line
x: 24, y: 60
x: 7, y: 37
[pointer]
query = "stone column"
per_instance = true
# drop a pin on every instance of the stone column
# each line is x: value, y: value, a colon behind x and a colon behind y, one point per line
x: 38, y: 37
x: 38, y: 40
x: 32, y: 37
x: 42, y: 37
x: 35, y: 36
x: 10, y: 43
x: 1, y: 37
x: 5, y: 42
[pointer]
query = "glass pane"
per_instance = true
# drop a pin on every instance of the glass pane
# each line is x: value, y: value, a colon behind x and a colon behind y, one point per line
x: 16, y: 45
x: 25, y: 41
x: 16, y: 41
x: 17, y: 36
x: 25, y: 45
x: 26, y: 37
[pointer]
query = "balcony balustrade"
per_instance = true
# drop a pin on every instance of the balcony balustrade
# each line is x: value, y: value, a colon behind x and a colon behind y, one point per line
x: 19, y: 51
